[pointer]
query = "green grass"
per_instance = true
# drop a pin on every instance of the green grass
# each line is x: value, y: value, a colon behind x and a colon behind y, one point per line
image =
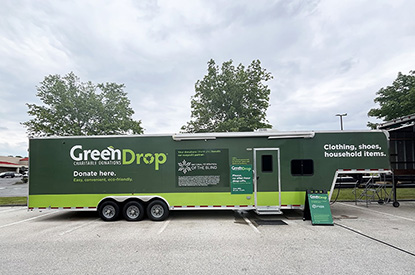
x: 346, y: 194
x: 13, y: 201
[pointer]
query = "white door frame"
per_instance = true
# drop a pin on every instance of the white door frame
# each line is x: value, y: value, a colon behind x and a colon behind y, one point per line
x: 255, y: 173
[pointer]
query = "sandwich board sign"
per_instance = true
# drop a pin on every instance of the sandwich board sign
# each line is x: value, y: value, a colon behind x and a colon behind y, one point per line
x: 317, y: 208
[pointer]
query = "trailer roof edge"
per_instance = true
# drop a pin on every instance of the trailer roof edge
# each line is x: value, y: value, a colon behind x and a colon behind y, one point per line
x: 212, y: 136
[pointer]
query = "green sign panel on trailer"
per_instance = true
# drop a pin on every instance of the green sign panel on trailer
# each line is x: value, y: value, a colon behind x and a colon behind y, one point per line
x: 317, y: 206
x: 202, y: 168
x: 241, y: 179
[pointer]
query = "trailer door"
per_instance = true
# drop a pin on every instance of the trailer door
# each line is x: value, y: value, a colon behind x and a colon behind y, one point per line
x: 267, y: 180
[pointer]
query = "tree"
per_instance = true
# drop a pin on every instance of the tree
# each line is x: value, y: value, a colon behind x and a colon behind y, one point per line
x: 396, y: 100
x: 72, y: 107
x: 230, y: 99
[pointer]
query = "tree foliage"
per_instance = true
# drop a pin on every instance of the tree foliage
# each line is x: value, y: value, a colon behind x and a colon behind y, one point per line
x: 396, y: 100
x: 230, y: 99
x: 71, y: 107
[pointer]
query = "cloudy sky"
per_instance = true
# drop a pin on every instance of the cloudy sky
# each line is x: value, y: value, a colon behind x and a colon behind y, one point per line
x: 326, y: 56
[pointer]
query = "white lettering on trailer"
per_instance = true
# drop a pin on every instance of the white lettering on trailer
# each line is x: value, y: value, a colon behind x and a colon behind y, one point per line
x: 105, y: 154
x: 350, y: 147
x: 85, y: 174
x: 94, y: 173
x: 72, y: 153
x: 353, y: 151
x: 77, y: 154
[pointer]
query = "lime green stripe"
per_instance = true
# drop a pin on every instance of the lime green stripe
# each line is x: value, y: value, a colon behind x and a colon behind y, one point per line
x: 268, y: 198
x: 173, y: 199
x: 287, y: 198
x: 80, y: 200
x: 292, y: 198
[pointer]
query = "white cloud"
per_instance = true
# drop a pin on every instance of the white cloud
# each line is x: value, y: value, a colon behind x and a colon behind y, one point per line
x: 13, y: 141
x: 326, y: 56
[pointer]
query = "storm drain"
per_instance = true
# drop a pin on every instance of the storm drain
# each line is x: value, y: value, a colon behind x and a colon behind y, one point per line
x: 270, y: 222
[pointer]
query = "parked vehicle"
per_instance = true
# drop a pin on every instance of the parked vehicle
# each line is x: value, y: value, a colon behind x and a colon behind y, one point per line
x: 153, y: 174
x: 25, y: 178
x: 7, y: 175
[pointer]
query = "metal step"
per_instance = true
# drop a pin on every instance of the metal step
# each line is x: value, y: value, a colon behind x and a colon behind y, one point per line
x: 268, y: 210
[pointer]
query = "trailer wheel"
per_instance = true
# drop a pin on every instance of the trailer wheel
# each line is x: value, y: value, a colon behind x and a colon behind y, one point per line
x: 109, y: 211
x: 396, y: 204
x: 157, y: 210
x: 133, y: 211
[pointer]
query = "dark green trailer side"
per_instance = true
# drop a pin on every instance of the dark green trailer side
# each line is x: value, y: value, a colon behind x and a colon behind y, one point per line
x: 130, y: 175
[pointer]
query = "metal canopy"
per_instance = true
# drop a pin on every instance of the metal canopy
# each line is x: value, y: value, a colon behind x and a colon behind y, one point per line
x: 398, y: 123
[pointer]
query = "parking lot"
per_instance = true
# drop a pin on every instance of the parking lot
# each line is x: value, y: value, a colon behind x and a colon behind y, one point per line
x: 378, y: 239
x: 13, y: 187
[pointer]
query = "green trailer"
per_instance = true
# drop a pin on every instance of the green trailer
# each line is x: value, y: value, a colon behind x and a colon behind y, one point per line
x: 134, y: 176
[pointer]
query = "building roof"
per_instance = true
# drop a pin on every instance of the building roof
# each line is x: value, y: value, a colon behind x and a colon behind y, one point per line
x: 398, y: 123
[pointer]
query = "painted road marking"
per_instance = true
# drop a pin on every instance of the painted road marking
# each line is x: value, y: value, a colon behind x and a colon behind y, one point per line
x: 10, y: 209
x: 378, y: 212
x: 248, y: 221
x: 251, y: 225
x: 77, y: 227
x: 26, y: 220
x: 166, y: 223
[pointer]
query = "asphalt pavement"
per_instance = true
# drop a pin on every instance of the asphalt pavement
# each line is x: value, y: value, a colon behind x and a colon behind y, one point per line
x: 13, y: 187
x: 378, y: 239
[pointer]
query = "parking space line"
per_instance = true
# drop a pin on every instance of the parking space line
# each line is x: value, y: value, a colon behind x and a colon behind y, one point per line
x: 166, y: 223
x: 251, y: 225
x: 378, y: 212
x: 77, y: 227
x: 26, y: 220
x: 248, y: 221
x: 10, y: 209
x: 374, y: 239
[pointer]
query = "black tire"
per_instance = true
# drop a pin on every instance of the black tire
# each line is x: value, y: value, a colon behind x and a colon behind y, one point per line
x: 133, y: 211
x: 381, y: 201
x: 109, y: 211
x: 396, y: 204
x: 157, y: 210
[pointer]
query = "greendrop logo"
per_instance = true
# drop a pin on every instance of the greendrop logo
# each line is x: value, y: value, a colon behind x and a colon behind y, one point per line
x: 317, y: 197
x: 239, y: 168
x: 126, y: 156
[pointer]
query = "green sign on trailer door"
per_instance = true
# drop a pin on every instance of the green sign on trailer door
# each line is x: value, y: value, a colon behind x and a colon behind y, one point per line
x: 241, y: 179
